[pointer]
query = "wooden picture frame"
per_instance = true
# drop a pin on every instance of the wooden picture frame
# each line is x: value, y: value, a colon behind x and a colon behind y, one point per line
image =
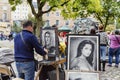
x: 83, y: 52
x: 78, y: 75
x: 49, y: 39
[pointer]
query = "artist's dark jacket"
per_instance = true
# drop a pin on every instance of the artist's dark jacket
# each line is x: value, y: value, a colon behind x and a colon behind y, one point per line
x: 26, y: 52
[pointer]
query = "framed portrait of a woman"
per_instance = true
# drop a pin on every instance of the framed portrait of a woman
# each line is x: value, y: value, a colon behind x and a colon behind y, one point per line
x: 77, y: 75
x: 83, y: 52
x: 49, y: 39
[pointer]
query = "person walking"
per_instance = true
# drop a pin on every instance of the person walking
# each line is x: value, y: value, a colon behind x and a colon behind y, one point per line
x: 24, y: 44
x: 103, y: 46
x: 114, y: 48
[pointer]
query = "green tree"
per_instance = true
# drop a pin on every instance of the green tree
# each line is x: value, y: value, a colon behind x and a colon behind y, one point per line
x: 81, y: 8
x: 54, y: 4
x: 110, y: 28
x: 103, y: 10
x: 16, y: 28
x: 110, y: 11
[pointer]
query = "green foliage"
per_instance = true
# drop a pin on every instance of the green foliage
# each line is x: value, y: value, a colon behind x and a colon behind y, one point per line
x: 32, y: 18
x: 54, y: 4
x: 14, y: 3
x: 110, y: 28
x: 94, y: 6
x: 104, y: 10
x: 110, y: 10
x: 16, y: 28
x: 81, y: 8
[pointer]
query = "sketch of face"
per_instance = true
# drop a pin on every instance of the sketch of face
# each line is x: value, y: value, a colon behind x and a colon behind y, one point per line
x: 47, y: 38
x: 87, y: 49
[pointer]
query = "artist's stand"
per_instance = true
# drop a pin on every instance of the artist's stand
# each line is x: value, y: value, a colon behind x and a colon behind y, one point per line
x: 54, y: 63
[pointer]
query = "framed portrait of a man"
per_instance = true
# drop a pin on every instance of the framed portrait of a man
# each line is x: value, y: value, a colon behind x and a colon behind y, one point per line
x: 83, y: 52
x: 49, y: 39
x: 77, y: 75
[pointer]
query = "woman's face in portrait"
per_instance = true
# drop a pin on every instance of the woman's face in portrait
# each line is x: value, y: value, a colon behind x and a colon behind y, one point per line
x: 47, y: 39
x: 87, y: 49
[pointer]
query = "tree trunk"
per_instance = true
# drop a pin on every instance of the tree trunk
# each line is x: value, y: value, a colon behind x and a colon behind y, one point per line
x: 106, y: 22
x: 39, y: 24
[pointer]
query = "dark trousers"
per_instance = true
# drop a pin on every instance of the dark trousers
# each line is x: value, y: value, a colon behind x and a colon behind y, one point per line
x: 44, y: 72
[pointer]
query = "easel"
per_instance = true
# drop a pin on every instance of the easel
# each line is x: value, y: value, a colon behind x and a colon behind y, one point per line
x: 54, y: 63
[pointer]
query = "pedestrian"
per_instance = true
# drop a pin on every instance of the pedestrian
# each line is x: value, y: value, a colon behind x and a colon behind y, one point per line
x: 92, y: 31
x: 62, y: 44
x: 24, y: 44
x: 10, y: 36
x: 103, y: 46
x: 114, y: 48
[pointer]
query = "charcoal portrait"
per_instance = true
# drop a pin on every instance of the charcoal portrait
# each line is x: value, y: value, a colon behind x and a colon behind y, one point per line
x: 82, y: 75
x: 49, y: 40
x: 83, y: 52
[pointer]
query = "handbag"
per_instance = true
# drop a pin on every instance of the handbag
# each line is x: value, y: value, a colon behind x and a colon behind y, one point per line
x: 35, y: 61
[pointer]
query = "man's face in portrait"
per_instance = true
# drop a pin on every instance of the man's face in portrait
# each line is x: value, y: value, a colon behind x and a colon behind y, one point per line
x: 47, y: 39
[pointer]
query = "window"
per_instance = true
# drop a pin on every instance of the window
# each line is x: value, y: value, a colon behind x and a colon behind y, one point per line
x: 47, y: 22
x: 47, y: 7
x: 57, y: 13
x: 47, y: 14
x: 57, y: 22
x: 4, y: 16
x: 67, y: 23
x: 4, y: 8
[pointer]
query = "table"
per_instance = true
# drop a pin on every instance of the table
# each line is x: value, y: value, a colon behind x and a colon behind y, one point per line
x: 54, y: 63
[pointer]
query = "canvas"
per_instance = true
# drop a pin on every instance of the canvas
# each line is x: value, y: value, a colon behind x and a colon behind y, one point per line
x: 49, y: 39
x: 83, y: 52
x: 77, y: 75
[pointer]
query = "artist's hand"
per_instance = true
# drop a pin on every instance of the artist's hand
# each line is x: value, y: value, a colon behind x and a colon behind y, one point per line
x: 46, y: 50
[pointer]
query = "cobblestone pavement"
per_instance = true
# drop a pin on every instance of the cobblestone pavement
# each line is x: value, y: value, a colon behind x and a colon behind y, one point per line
x: 111, y: 73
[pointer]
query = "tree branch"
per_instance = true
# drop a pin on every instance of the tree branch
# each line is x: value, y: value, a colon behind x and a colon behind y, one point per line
x: 97, y: 15
x: 40, y: 6
x: 32, y: 7
x: 55, y: 6
x: 106, y: 21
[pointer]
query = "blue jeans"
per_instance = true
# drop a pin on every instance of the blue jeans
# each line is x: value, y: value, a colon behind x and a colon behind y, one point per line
x: 111, y: 54
x: 26, y: 70
x: 103, y: 50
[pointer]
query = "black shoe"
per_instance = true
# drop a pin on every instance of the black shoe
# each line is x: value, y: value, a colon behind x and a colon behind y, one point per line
x: 116, y: 66
x: 103, y: 70
x: 103, y: 63
x: 109, y: 65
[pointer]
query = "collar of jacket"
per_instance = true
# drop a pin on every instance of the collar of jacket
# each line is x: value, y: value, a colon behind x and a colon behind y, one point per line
x: 26, y: 31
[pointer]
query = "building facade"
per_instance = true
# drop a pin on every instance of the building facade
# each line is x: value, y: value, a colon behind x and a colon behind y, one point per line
x: 22, y: 11
x: 55, y: 18
x: 5, y: 17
